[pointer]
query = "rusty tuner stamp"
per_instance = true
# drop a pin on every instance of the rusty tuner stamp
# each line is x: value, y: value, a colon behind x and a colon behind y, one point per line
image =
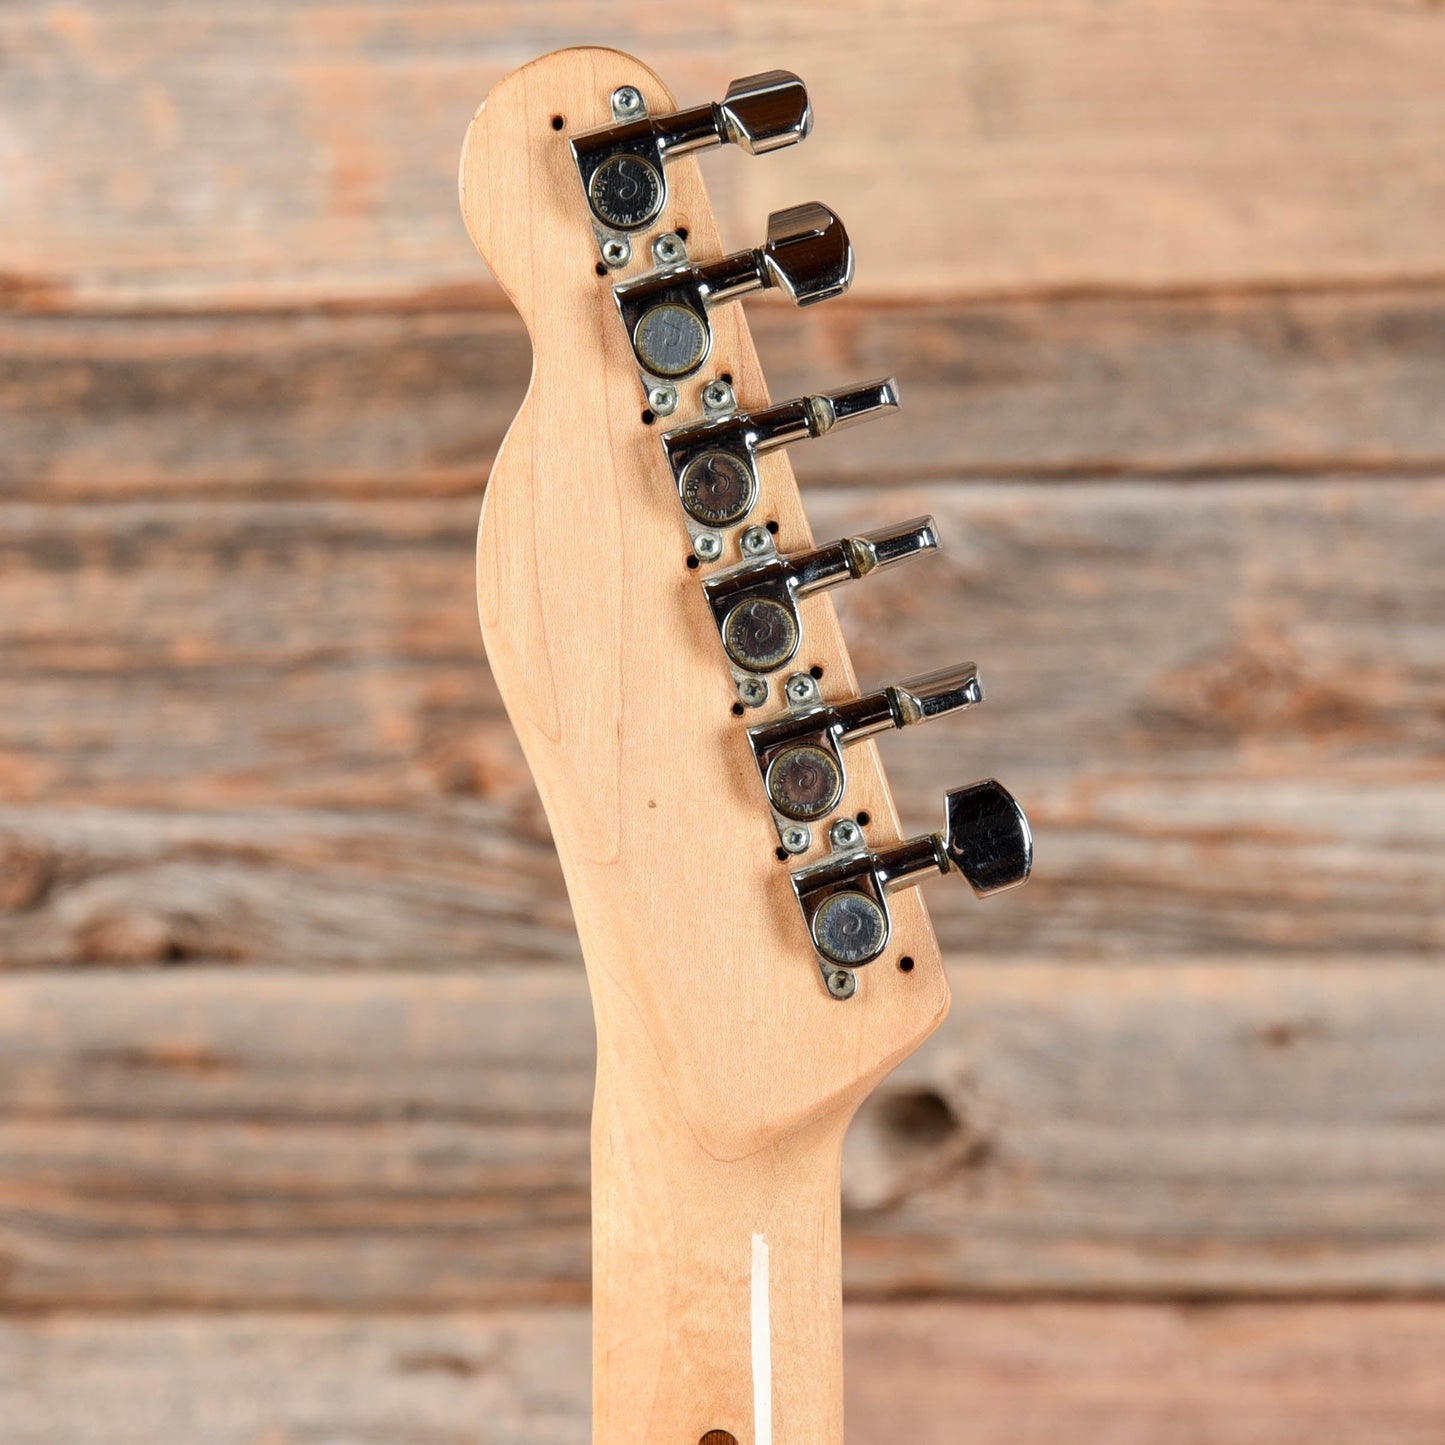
x: 622, y: 165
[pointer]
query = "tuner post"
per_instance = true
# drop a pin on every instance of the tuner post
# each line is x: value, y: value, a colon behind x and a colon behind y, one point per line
x: 844, y: 898
x: 623, y: 165
x: 715, y: 461
x: 807, y: 255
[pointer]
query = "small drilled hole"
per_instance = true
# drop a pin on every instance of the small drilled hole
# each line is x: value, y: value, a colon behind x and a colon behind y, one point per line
x: 782, y: 854
x: 773, y: 528
x: 815, y: 672
x: 906, y: 964
x: 558, y: 122
x: 738, y: 709
x: 693, y: 564
x: 864, y: 819
x: 648, y: 417
x: 718, y: 1437
x: 727, y: 376
x: 600, y: 269
x: 681, y: 233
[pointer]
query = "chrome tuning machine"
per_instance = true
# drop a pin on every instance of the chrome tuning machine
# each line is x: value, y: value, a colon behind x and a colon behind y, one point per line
x: 807, y: 255
x: 621, y: 165
x: 845, y: 898
x: 800, y: 755
x: 715, y: 461
x: 755, y: 605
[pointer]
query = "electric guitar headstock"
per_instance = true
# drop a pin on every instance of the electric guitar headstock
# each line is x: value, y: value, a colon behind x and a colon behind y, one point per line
x: 656, y: 615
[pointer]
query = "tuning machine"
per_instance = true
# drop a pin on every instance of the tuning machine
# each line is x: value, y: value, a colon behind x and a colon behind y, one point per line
x: 755, y: 605
x: 622, y: 164
x: 845, y: 897
x: 807, y: 255
x: 800, y: 755
x: 714, y: 462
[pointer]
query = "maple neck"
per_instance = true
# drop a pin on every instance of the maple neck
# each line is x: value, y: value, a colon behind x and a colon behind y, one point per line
x: 716, y: 1282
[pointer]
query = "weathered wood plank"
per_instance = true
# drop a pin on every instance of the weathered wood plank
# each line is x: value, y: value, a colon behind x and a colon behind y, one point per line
x: 940, y: 1374
x: 1248, y: 761
x: 215, y: 156
x: 213, y: 1139
x: 416, y: 403
x: 978, y: 146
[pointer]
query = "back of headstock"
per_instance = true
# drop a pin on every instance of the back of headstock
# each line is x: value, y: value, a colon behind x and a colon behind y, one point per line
x: 654, y: 610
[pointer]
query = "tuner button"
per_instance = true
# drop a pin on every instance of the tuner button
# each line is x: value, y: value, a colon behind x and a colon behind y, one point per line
x: 804, y: 782
x: 988, y: 838
x: 717, y: 488
x: 808, y: 253
x: 850, y: 928
x: 626, y: 191
x: 760, y: 634
x: 762, y: 113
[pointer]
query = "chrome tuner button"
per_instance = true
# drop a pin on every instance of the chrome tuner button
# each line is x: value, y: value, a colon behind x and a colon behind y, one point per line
x: 791, y: 752
x: 807, y: 255
x: 622, y: 164
x: 721, y: 453
x: 844, y: 898
x: 755, y: 605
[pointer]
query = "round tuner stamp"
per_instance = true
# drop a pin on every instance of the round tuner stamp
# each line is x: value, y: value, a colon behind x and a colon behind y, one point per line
x: 671, y: 340
x: 804, y: 782
x: 717, y: 488
x: 850, y: 928
x: 626, y: 192
x: 760, y: 634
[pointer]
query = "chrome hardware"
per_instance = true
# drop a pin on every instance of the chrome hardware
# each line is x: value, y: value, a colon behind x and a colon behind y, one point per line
x: 752, y: 692
x: 617, y: 252
x: 718, y: 398
x: 796, y: 838
x: 715, y: 461
x: 621, y: 165
x: 662, y: 399
x: 668, y: 250
x: 756, y: 605
x: 845, y: 898
x: 707, y: 546
x: 800, y: 756
x: 807, y: 255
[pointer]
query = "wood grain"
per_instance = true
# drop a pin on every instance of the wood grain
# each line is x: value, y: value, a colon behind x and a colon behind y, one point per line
x: 951, y: 1374
x: 415, y: 403
x: 213, y: 1139
x: 212, y: 156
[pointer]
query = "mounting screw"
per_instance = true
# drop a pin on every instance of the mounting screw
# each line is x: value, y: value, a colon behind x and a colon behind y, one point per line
x: 752, y: 692
x: 663, y: 400
x: 801, y: 689
x: 718, y: 396
x: 756, y: 542
x: 627, y: 102
x: 845, y: 833
x: 708, y: 546
x: 668, y: 250
x: 797, y: 838
x: 841, y: 983
x: 616, y: 252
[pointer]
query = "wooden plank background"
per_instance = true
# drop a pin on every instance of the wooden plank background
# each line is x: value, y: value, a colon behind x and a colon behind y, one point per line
x: 294, y: 1043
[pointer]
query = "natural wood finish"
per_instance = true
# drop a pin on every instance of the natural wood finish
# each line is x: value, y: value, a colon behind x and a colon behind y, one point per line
x: 208, y: 1138
x: 233, y: 156
x: 726, y: 1074
x: 942, y: 1374
x: 415, y: 403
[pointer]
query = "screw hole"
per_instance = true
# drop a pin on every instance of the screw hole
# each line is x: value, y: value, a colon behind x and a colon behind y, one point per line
x: 906, y: 963
x: 558, y: 122
x: 648, y: 416
x: 681, y: 233
x: 773, y: 528
x: 718, y: 1437
x: 727, y: 376
x: 600, y: 269
x: 693, y: 564
x: 782, y: 854
x: 864, y: 819
x: 738, y: 709
x: 816, y: 671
